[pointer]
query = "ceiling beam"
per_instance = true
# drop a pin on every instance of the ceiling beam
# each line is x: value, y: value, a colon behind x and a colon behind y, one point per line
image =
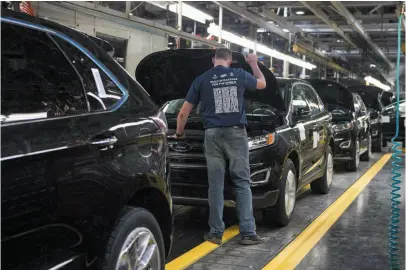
x: 361, y: 31
x: 364, y: 18
x: 318, y: 28
x: 327, y: 20
x: 251, y: 17
x: 128, y: 20
x: 346, y: 3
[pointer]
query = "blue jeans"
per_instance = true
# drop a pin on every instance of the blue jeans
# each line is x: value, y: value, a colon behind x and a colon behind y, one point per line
x: 221, y: 144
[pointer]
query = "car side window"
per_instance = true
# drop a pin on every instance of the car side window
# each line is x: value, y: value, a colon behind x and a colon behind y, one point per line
x: 311, y: 99
x: 299, y: 102
x: 102, y: 93
x: 36, y: 78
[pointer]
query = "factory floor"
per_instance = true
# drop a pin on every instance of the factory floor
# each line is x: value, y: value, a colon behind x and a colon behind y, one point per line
x: 345, y: 229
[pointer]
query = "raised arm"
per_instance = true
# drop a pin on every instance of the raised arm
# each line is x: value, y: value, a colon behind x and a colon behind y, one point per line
x: 252, y: 60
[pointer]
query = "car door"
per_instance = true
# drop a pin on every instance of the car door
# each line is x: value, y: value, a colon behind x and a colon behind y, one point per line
x: 319, y: 123
x: 65, y: 159
x: 301, y: 113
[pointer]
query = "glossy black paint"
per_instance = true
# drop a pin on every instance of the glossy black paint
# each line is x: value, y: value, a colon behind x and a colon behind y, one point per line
x: 372, y: 97
x: 62, y: 193
x: 343, y: 110
x: 188, y: 164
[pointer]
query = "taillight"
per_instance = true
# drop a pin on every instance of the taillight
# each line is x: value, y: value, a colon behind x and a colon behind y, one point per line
x: 160, y: 120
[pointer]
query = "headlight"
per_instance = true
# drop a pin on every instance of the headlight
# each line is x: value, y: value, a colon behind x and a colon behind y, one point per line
x: 261, y: 141
x: 342, y: 127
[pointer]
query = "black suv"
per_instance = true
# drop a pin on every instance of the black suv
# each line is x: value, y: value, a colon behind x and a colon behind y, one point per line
x: 84, y: 156
x: 289, y: 134
x: 372, y: 95
x: 351, y: 123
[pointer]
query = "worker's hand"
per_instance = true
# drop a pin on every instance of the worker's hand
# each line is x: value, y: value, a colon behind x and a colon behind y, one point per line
x: 176, y: 137
x: 251, y: 59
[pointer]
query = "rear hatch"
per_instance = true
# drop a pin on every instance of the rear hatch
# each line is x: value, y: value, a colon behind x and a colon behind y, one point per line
x: 337, y: 99
x: 167, y: 77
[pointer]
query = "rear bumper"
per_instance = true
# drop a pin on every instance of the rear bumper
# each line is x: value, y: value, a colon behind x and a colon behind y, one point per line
x: 260, y: 200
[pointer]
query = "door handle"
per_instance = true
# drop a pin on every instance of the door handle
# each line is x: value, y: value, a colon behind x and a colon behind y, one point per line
x: 105, y: 142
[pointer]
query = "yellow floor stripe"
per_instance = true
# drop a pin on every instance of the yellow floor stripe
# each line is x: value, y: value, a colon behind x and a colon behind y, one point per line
x: 200, y: 251
x: 294, y: 253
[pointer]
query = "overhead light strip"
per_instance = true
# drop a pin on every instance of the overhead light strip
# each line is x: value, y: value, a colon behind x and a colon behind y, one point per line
x: 187, y: 11
x: 197, y: 15
x: 233, y: 38
x: 377, y: 83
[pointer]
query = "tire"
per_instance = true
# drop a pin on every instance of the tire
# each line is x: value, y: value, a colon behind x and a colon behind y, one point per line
x: 135, y: 224
x: 378, y: 147
x: 282, y: 212
x: 368, y: 154
x: 323, y: 184
x: 353, y: 164
x: 384, y: 143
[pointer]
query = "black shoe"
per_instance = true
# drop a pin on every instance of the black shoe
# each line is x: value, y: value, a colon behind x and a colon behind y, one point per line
x: 215, y: 239
x: 251, y: 240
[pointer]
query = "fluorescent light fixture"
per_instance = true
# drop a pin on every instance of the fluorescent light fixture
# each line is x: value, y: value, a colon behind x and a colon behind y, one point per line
x: 299, y: 12
x: 246, y: 43
x: 271, y: 22
x: 339, y: 40
x: 285, y: 30
x: 372, y: 66
x: 170, y: 43
x: 187, y: 11
x: 131, y: 14
x: 261, y: 30
x: 377, y: 83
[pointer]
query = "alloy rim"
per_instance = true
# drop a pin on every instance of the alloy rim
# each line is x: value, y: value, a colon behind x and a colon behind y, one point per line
x: 290, y: 192
x: 329, y: 169
x: 139, y: 252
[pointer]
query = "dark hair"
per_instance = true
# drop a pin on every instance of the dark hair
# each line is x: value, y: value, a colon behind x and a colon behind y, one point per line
x: 223, y: 53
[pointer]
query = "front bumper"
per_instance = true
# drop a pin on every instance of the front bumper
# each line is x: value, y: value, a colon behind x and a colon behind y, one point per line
x: 190, y: 181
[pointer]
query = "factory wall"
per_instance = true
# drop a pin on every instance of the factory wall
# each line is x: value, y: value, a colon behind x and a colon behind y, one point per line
x: 141, y: 41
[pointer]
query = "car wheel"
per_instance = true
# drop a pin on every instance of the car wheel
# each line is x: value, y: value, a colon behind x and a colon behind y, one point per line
x: 368, y: 154
x: 379, y: 144
x: 353, y: 164
x: 282, y: 212
x: 135, y: 243
x: 323, y: 184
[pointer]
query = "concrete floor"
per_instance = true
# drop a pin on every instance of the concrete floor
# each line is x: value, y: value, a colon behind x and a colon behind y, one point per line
x: 358, y: 240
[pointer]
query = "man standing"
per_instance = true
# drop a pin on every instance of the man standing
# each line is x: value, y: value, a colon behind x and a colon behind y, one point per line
x: 221, y: 94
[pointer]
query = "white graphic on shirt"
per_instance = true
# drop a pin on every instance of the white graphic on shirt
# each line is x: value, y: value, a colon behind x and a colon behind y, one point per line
x: 215, y: 77
x: 231, y: 74
x: 223, y: 75
x: 225, y: 95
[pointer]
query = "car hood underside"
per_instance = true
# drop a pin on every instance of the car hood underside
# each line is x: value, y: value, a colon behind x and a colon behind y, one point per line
x: 168, y: 75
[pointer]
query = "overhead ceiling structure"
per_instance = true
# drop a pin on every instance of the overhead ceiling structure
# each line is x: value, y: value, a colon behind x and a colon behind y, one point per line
x: 347, y: 37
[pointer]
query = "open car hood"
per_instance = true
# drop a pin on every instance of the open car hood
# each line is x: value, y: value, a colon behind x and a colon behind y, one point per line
x: 332, y: 93
x: 168, y: 75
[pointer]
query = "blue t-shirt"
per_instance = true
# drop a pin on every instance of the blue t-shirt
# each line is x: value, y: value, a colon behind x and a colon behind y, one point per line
x: 221, y: 94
